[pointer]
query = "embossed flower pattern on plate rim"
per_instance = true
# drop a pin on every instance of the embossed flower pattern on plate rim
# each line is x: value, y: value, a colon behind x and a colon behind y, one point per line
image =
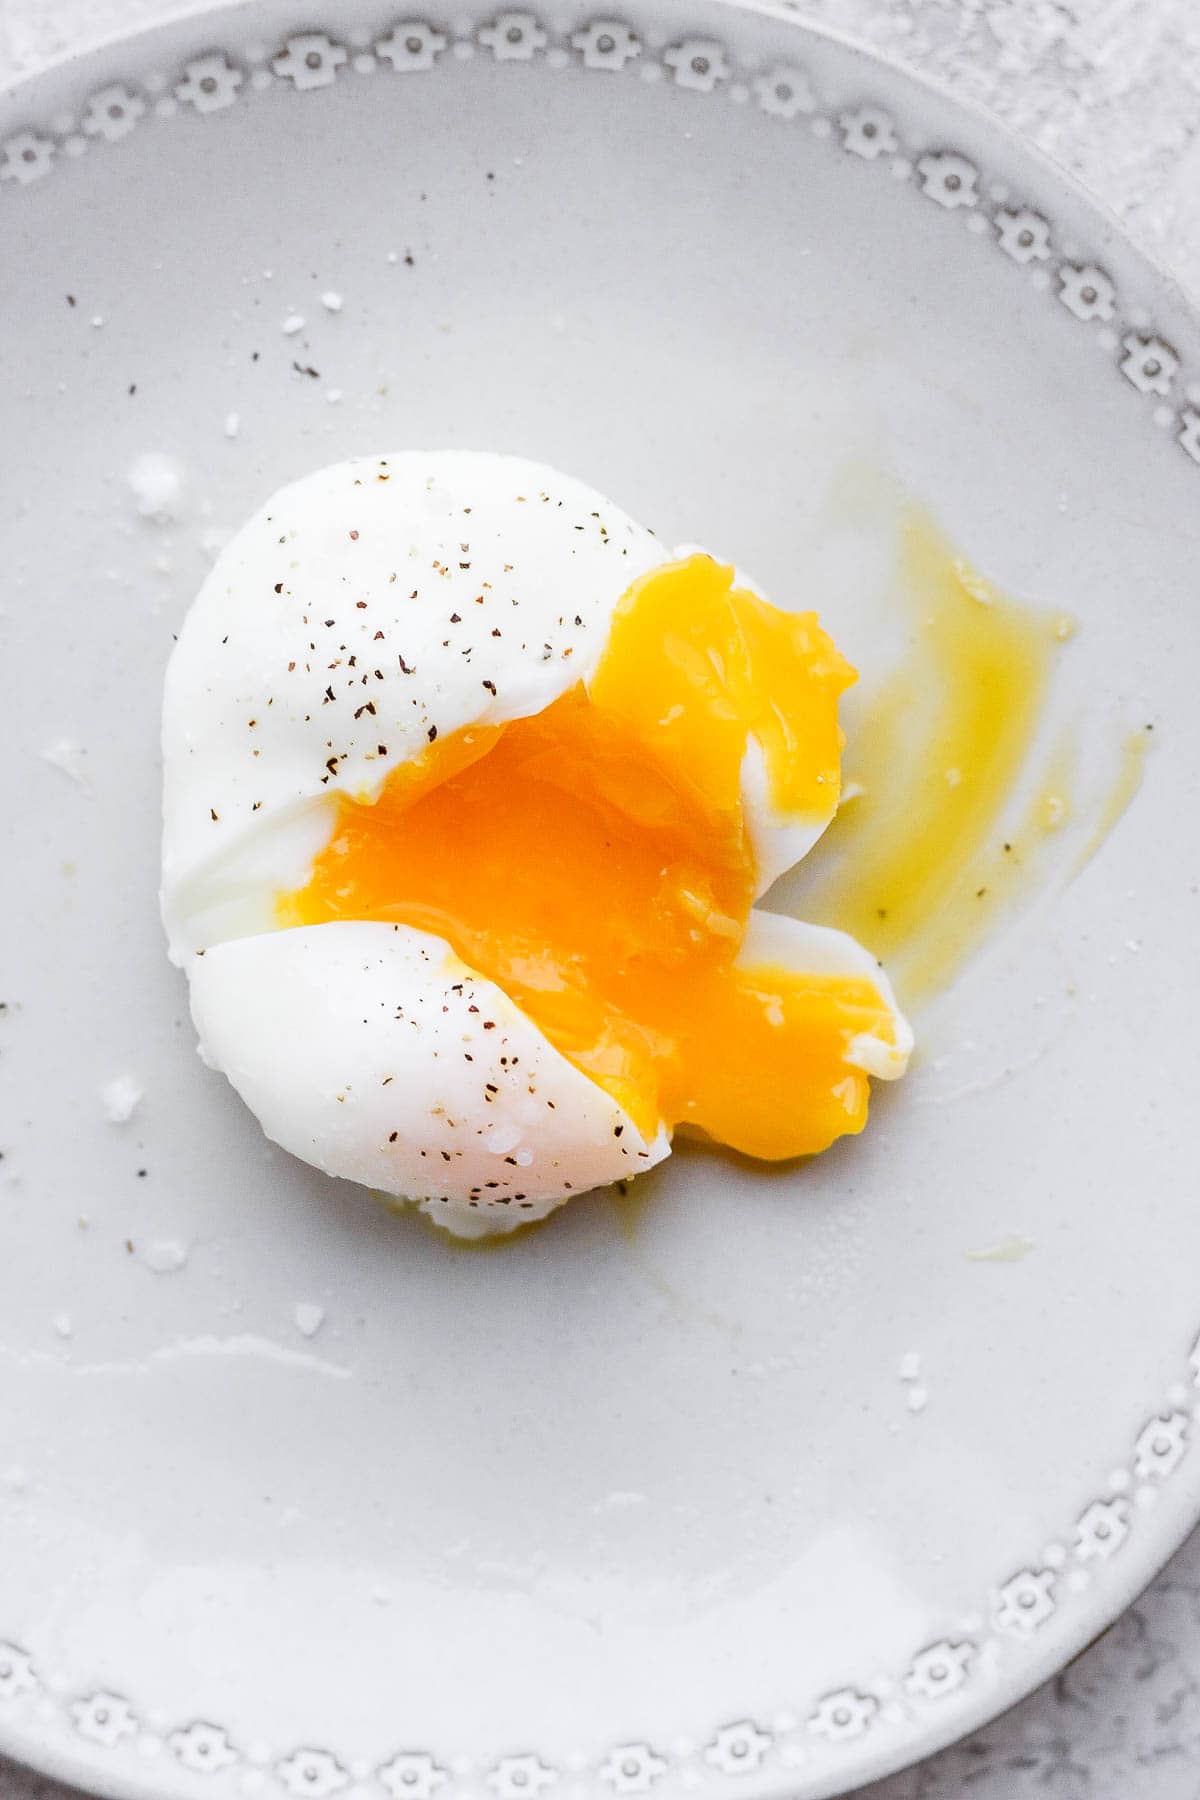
x: 220, y: 80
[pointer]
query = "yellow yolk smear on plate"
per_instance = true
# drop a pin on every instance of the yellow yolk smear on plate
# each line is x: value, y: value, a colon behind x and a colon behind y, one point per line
x: 595, y: 862
x: 920, y: 858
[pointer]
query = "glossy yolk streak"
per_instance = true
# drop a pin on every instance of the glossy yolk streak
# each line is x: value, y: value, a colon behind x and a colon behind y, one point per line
x: 916, y: 862
x: 594, y: 861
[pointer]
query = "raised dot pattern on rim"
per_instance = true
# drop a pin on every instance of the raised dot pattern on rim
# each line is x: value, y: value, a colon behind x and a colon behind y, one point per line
x: 315, y: 59
x: 1020, y: 1606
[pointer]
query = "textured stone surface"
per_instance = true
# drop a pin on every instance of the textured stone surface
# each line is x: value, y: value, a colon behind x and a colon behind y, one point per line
x: 1112, y: 89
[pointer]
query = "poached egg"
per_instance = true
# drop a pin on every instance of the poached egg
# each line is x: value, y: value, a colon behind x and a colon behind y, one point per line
x: 470, y: 789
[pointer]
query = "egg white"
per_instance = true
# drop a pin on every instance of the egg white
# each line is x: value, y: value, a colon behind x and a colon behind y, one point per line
x: 371, y: 1051
x: 353, y: 621
x: 363, y: 613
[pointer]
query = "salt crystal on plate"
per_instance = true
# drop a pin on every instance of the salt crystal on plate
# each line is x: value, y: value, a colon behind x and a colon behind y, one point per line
x: 166, y: 1256
x: 121, y: 1097
x: 65, y: 755
x: 156, y: 483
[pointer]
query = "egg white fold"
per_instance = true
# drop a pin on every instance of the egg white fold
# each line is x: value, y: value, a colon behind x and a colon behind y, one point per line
x: 369, y: 1050
x: 369, y: 609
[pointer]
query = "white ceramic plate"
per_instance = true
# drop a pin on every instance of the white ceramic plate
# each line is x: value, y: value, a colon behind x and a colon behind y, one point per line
x: 294, y: 1498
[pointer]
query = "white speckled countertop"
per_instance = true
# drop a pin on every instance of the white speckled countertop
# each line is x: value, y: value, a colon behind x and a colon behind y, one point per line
x: 1112, y: 89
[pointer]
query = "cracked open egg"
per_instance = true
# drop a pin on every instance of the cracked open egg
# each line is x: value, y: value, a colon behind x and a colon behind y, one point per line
x: 472, y: 788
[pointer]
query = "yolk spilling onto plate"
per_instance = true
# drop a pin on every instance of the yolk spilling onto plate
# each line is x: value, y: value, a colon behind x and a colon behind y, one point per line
x: 595, y: 862
x: 918, y: 862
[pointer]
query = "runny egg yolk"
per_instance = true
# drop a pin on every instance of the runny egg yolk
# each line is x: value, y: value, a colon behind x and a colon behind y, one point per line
x: 595, y: 862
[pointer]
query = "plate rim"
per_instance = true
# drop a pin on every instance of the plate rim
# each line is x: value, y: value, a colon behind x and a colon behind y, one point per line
x: 985, y: 1701
x: 191, y: 12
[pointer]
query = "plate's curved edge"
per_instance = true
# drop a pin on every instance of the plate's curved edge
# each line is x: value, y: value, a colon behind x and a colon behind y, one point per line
x: 844, y: 1717
x: 1150, y: 363
x: 1056, y: 1655
x: 62, y: 62
x: 782, y: 12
